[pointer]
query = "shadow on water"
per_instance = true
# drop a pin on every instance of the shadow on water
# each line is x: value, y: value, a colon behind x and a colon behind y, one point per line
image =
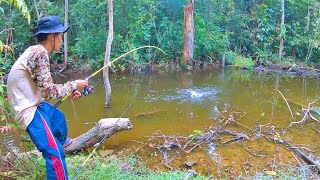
x: 179, y: 103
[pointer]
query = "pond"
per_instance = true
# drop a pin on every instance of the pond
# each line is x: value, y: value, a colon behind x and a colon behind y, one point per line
x: 180, y: 103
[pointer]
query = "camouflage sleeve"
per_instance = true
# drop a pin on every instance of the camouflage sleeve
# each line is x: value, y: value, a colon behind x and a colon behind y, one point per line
x: 44, y: 80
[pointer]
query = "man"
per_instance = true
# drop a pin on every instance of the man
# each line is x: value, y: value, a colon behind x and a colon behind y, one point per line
x: 29, y: 81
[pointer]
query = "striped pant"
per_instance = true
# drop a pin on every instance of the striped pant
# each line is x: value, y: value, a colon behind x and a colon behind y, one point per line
x: 48, y: 131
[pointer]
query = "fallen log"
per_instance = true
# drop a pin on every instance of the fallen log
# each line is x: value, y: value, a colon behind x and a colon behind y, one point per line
x: 108, y: 127
x: 307, y: 159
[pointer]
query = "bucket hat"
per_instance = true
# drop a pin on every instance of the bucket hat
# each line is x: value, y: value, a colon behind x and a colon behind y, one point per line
x: 50, y: 24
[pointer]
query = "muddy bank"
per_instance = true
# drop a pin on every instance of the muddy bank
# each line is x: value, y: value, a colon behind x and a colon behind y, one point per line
x: 290, y: 70
x: 293, y: 70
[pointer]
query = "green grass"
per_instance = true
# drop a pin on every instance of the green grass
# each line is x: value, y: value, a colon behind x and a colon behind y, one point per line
x: 130, y: 167
x: 110, y: 168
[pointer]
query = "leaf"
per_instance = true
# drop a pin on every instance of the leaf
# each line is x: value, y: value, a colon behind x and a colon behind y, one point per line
x: 33, y: 155
x: 24, y: 136
x: 1, y: 101
x: 273, y: 173
x: 151, y: 145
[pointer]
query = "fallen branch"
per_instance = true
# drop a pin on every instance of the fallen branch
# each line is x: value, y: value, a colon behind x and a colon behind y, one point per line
x: 141, y: 115
x: 286, y: 102
x: 307, y: 159
x: 306, y: 115
x: 95, y: 135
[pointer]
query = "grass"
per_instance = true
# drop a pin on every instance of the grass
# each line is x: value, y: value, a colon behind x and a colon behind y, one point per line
x: 130, y: 167
x: 121, y: 168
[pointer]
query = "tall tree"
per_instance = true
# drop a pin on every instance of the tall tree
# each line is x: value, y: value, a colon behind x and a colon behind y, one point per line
x: 188, y: 35
x: 107, y: 56
x: 282, y: 30
x: 65, y: 45
x: 36, y: 8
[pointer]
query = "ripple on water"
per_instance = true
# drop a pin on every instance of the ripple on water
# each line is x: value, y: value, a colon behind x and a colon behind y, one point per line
x: 194, y: 95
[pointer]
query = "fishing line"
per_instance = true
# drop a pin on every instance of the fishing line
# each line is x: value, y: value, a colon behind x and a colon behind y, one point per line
x: 102, y: 140
x: 109, y: 64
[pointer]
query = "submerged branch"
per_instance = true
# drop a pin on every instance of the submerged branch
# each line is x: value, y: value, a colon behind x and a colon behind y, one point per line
x: 306, y: 115
x: 286, y: 102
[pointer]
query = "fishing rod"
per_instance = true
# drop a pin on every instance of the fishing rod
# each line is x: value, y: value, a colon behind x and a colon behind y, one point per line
x: 88, y: 90
x: 102, y: 140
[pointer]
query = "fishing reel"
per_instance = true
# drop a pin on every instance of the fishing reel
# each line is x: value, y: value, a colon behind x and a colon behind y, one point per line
x: 88, y: 90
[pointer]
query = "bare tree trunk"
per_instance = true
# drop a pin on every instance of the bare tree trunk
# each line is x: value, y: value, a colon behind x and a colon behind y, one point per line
x: 308, y: 20
x: 107, y: 56
x: 281, y: 33
x: 44, y: 7
x: 65, y: 45
x: 105, y: 127
x: 311, y: 35
x: 188, y: 35
x: 36, y: 8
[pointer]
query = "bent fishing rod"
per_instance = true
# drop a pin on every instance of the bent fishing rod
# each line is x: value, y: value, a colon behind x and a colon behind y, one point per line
x: 102, y: 140
x: 108, y: 64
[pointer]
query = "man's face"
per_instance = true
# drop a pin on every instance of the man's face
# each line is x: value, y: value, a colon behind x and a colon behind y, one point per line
x: 58, y: 41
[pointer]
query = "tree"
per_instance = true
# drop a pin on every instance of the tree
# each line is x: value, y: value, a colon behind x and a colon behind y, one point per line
x: 65, y: 45
x: 107, y: 56
x: 188, y: 35
x: 22, y: 7
x: 282, y: 31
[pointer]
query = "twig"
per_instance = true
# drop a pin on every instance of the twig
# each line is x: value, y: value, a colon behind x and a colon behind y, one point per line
x: 202, y: 142
x: 286, y: 102
x: 307, y: 113
x: 6, y: 30
x: 313, y: 118
x: 297, y: 159
x: 184, y: 147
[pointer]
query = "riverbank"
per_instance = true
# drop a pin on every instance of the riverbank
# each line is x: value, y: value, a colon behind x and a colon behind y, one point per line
x: 289, y: 69
x: 120, y: 167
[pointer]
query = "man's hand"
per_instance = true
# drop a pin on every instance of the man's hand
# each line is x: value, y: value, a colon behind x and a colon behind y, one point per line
x: 81, y: 84
x: 75, y: 95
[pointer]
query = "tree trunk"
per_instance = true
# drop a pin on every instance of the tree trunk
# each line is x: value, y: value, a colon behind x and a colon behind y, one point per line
x: 44, y: 8
x: 188, y: 35
x: 36, y: 8
x: 281, y: 33
x: 107, y: 56
x: 65, y: 45
x: 105, y: 127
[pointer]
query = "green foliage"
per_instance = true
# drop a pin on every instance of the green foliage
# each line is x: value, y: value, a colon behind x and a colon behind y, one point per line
x: 245, y: 28
x: 243, y: 62
x: 197, y: 133
x: 90, y: 24
x: 20, y: 5
x: 5, y: 108
x: 120, y: 168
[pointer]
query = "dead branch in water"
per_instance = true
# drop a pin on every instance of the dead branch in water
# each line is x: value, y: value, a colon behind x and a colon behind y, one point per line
x: 165, y: 143
x: 142, y: 115
x: 306, y: 115
x: 286, y: 102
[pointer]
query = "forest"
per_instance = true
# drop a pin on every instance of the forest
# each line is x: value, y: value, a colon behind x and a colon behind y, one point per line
x: 246, y: 33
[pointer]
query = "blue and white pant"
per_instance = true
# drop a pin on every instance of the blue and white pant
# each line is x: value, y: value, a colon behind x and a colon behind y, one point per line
x: 48, y: 131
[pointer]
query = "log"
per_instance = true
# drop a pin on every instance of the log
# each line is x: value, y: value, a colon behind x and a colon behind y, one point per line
x: 108, y: 127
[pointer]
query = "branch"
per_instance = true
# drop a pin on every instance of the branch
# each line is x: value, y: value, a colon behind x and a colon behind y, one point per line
x: 286, y: 102
x: 6, y: 30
